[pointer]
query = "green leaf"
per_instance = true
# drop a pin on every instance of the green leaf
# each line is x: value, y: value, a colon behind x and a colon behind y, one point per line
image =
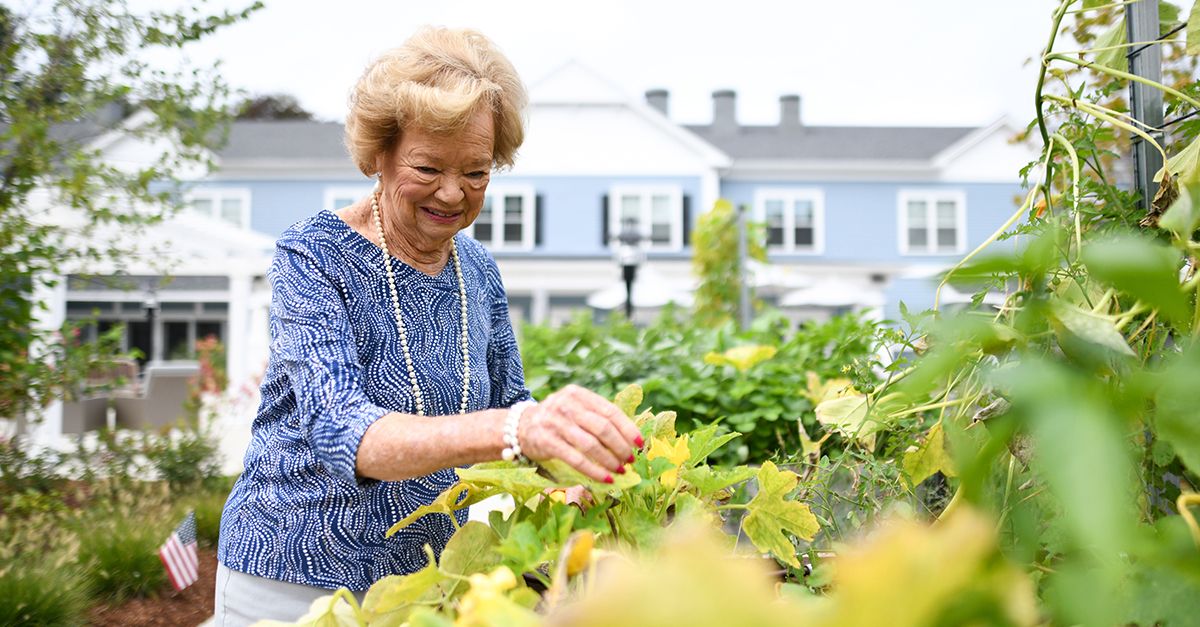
x: 565, y: 475
x: 523, y: 550
x: 930, y: 457
x: 1062, y: 407
x: 1115, y: 58
x: 390, y: 600
x: 425, y: 617
x: 705, y: 441
x: 523, y: 482
x: 709, y: 480
x: 1141, y: 268
x: 448, y: 502
x: 1193, y: 30
x: 661, y: 425
x: 1089, y: 327
x: 629, y: 398
x: 771, y: 513
x: 1176, y: 400
x: 472, y: 549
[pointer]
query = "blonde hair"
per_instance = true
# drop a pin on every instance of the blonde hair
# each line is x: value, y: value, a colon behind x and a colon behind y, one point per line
x: 435, y: 81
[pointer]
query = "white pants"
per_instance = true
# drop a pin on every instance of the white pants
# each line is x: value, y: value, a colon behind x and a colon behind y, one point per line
x: 243, y: 599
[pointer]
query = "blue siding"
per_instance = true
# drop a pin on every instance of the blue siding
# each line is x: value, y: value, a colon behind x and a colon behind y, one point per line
x: 571, y: 207
x: 861, y: 219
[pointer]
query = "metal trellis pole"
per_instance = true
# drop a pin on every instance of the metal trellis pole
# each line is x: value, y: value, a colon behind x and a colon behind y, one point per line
x: 1145, y: 103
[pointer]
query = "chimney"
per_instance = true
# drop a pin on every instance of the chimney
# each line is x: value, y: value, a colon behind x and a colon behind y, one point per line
x: 657, y: 99
x: 724, y: 110
x: 789, y: 111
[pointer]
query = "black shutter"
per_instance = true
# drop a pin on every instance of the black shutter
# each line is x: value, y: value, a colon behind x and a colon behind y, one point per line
x: 538, y: 204
x: 687, y: 220
x: 604, y: 221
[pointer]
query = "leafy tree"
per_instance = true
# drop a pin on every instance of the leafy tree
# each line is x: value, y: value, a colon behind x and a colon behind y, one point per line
x: 273, y: 107
x: 715, y: 262
x: 73, y: 72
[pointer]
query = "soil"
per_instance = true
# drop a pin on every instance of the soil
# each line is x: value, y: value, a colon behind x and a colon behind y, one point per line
x: 187, y: 608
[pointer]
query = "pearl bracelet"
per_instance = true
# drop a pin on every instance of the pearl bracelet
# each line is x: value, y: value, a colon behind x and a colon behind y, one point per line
x: 512, y: 444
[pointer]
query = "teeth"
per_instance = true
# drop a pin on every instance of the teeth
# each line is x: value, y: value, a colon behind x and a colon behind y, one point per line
x: 440, y: 215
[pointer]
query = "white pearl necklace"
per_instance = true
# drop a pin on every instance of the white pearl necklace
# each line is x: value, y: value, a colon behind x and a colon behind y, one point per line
x: 462, y: 300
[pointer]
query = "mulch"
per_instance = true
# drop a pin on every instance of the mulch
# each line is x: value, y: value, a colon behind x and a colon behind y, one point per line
x: 187, y: 608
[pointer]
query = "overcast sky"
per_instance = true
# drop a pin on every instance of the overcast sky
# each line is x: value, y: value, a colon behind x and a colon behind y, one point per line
x: 855, y: 62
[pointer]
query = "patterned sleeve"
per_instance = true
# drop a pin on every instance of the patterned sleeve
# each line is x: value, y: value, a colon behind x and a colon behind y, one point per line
x: 504, y: 356
x: 312, y: 336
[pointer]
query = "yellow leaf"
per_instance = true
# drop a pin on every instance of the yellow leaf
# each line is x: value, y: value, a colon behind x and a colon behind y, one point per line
x: 820, y: 391
x: 771, y: 513
x: 675, y: 453
x: 741, y: 357
x: 629, y: 399
x: 810, y: 449
x: 930, y: 457
x: 848, y: 416
x: 911, y: 575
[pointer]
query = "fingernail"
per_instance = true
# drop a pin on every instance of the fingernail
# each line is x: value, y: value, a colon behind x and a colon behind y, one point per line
x: 620, y: 470
x: 608, y: 479
x: 639, y: 441
x: 630, y: 460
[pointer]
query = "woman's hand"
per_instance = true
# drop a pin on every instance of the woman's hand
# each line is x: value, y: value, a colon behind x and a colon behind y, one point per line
x: 582, y: 429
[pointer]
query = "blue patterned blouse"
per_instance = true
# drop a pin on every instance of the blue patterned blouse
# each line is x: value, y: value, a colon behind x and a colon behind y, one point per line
x: 299, y: 513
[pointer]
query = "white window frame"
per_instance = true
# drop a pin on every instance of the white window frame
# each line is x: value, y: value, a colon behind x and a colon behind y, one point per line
x: 496, y: 194
x: 216, y: 195
x: 674, y: 193
x: 344, y: 191
x: 789, y: 195
x: 931, y: 197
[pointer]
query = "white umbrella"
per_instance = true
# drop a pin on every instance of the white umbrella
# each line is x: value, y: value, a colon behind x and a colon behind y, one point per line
x: 831, y: 293
x: 649, y: 290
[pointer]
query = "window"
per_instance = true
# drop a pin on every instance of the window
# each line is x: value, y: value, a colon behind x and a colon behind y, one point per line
x: 932, y: 222
x: 657, y: 212
x: 338, y: 197
x: 223, y: 203
x: 794, y: 218
x: 507, y: 220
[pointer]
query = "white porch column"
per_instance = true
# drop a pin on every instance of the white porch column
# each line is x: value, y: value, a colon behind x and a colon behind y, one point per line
x: 710, y: 191
x: 539, y: 306
x: 46, y: 428
x: 237, y: 344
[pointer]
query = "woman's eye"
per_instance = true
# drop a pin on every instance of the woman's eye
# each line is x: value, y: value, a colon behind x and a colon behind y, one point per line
x: 426, y: 169
x: 477, y: 175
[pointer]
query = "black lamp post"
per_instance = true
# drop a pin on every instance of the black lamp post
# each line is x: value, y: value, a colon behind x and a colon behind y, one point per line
x: 629, y: 256
x: 150, y: 305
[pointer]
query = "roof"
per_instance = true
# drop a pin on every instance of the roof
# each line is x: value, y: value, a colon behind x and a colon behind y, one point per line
x: 832, y: 142
x: 291, y: 139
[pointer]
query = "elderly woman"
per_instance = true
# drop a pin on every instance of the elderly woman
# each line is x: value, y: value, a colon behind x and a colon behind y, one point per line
x: 393, y: 359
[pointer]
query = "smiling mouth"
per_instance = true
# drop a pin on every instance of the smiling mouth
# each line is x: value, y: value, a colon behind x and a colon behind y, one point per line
x: 445, y: 216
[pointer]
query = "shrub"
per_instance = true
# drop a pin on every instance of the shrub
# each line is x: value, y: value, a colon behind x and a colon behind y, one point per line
x: 681, y: 365
x: 118, y: 547
x: 39, y: 583
x: 208, y: 504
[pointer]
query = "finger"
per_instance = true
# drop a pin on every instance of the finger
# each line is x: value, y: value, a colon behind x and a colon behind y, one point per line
x: 577, y: 460
x: 587, y: 443
x: 605, y: 432
x: 610, y: 412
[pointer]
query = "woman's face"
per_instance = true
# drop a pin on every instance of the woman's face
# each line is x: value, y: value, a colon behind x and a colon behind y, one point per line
x: 433, y: 184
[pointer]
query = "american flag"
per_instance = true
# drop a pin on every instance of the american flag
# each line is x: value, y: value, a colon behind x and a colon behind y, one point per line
x: 178, y: 554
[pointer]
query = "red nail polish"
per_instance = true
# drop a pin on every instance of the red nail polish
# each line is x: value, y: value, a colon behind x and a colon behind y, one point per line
x: 608, y: 479
x: 620, y: 470
x: 639, y: 441
x: 630, y: 460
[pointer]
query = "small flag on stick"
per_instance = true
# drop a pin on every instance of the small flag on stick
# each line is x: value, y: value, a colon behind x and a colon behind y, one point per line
x: 178, y: 554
